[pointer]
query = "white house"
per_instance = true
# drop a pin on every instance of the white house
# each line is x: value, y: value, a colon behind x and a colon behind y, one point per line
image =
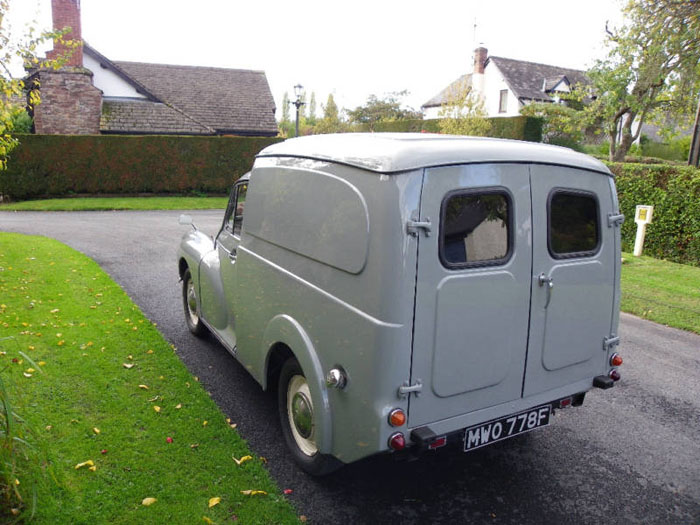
x: 506, y: 85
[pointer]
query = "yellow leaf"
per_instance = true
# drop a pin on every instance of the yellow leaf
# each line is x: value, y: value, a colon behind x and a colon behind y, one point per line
x: 207, y: 520
x: 93, y: 468
x: 204, y: 423
x: 88, y: 463
x: 143, y: 387
x: 96, y: 430
x: 30, y: 370
x: 42, y: 363
x: 149, y: 352
x: 55, y: 310
x: 194, y: 445
x: 254, y: 492
x: 214, y: 501
x: 178, y: 406
x: 130, y: 357
x: 242, y: 460
x: 128, y: 365
x: 156, y: 408
x: 148, y: 501
x: 26, y: 374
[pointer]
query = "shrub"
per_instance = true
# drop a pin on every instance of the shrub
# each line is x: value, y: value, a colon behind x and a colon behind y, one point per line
x: 674, y: 191
x: 44, y: 165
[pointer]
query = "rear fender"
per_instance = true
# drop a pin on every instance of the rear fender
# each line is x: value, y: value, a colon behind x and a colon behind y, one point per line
x: 285, y: 329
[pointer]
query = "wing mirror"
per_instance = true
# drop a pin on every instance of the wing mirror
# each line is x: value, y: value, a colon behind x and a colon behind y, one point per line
x: 186, y: 220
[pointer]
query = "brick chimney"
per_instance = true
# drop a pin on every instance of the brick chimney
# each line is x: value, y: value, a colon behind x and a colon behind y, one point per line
x: 480, y: 56
x: 66, y: 15
x: 70, y: 103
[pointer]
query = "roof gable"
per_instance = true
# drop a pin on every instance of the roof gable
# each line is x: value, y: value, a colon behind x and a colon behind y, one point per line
x: 442, y: 98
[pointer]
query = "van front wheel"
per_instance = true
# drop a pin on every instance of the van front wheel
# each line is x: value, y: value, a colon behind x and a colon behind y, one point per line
x: 191, y: 306
x: 298, y: 421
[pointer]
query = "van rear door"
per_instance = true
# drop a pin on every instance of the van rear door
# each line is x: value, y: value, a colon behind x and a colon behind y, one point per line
x: 574, y: 280
x: 472, y: 290
x: 515, y: 285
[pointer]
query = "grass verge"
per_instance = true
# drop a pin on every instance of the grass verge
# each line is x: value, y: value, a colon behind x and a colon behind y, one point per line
x: 111, y: 414
x: 661, y: 291
x: 118, y: 203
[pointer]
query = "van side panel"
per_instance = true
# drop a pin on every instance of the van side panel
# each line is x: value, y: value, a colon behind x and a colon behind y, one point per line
x: 360, y: 321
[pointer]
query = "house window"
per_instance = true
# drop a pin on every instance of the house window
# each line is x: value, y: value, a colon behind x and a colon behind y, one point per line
x: 503, y: 101
x: 475, y: 229
x: 574, y: 229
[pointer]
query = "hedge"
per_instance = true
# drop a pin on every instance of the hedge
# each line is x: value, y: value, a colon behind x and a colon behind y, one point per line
x: 48, y: 165
x: 674, y: 191
x: 518, y: 128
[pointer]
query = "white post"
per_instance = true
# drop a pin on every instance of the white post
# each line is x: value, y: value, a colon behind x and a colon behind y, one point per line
x: 642, y: 217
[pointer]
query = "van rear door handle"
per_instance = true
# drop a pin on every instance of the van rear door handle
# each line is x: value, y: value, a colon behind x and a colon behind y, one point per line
x: 549, y: 283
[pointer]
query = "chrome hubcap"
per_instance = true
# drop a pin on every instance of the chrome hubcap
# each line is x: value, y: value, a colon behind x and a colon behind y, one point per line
x: 192, y: 302
x: 302, y: 415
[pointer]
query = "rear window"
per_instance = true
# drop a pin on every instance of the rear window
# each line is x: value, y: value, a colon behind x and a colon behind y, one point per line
x: 475, y: 229
x: 574, y: 229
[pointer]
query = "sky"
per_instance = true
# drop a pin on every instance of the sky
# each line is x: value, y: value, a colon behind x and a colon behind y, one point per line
x: 350, y: 49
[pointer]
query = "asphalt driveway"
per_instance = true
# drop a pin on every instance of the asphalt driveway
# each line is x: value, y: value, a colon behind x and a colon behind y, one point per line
x: 629, y: 455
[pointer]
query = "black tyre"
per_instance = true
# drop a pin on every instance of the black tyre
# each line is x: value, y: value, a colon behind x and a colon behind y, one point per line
x: 191, y: 305
x: 298, y: 421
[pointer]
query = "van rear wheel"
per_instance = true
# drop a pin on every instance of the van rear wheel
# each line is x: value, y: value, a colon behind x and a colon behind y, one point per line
x: 298, y: 421
x: 191, y: 305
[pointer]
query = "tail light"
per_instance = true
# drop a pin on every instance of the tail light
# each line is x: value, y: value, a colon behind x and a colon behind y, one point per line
x: 397, y: 417
x: 397, y: 441
x: 614, y: 374
x: 615, y: 360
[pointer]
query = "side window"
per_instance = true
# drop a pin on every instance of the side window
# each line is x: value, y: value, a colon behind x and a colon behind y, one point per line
x: 475, y: 229
x: 238, y: 211
x: 574, y: 229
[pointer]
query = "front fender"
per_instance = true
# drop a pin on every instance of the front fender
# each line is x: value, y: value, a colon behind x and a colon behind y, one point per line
x: 285, y: 329
x: 193, y: 246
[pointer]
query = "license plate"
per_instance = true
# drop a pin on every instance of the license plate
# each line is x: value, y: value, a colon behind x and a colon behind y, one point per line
x: 499, y: 429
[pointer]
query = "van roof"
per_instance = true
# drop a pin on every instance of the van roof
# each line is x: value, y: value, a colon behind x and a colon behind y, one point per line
x: 397, y: 152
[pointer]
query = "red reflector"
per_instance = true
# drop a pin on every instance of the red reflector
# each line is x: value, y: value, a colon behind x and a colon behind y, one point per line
x: 566, y: 402
x: 397, y: 441
x: 614, y: 375
x: 615, y: 360
x: 439, y: 442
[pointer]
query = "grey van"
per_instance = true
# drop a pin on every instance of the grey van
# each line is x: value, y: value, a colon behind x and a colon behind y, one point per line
x: 407, y: 291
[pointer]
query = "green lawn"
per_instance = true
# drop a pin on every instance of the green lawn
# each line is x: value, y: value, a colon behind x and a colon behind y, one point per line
x: 661, y: 291
x: 96, y: 382
x: 118, y: 203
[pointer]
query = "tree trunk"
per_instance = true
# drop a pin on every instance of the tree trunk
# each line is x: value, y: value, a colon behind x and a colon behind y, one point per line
x: 626, y: 140
x: 694, y: 156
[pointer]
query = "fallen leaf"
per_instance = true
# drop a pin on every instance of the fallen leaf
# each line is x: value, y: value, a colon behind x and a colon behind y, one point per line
x: 93, y: 468
x: 148, y: 501
x: 263, y: 459
x: 49, y: 427
x: 178, y: 406
x: 26, y: 374
x: 154, y: 399
x: 169, y: 439
x: 96, y: 430
x: 128, y: 365
x: 88, y: 463
x: 214, y: 501
x: 194, y: 445
x: 204, y: 423
x: 156, y: 408
x: 42, y: 363
x: 149, y: 351
x: 130, y: 357
x: 103, y: 451
x: 242, y: 460
x: 55, y: 310
x: 207, y: 520
x: 303, y: 518
x: 254, y: 492
x: 143, y: 387
x: 233, y: 425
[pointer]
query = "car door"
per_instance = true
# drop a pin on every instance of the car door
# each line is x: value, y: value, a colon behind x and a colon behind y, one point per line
x: 573, y: 296
x: 227, y: 246
x: 472, y: 290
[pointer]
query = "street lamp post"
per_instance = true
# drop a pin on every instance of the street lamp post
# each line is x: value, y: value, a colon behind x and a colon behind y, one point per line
x: 298, y: 90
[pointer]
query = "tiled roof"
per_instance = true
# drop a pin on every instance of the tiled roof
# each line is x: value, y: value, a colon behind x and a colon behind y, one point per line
x: 236, y: 101
x: 444, y: 96
x: 527, y: 79
x: 146, y: 116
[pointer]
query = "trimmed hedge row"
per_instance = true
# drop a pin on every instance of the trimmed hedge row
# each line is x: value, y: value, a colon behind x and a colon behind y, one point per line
x: 674, y: 191
x: 44, y: 165
x: 518, y: 128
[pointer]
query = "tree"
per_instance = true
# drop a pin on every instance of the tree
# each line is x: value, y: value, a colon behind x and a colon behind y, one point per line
x: 12, y: 90
x: 331, y: 121
x: 285, y: 107
x: 651, y: 73
x: 464, y: 113
x: 312, y: 109
x: 562, y: 124
x: 382, y: 110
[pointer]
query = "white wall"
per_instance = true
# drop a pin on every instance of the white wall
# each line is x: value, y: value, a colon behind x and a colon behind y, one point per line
x: 111, y: 84
x: 493, y: 84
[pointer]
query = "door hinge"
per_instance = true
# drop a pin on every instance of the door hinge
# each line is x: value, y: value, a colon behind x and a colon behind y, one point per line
x: 407, y: 389
x: 412, y: 227
x: 609, y: 342
x: 615, y: 220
